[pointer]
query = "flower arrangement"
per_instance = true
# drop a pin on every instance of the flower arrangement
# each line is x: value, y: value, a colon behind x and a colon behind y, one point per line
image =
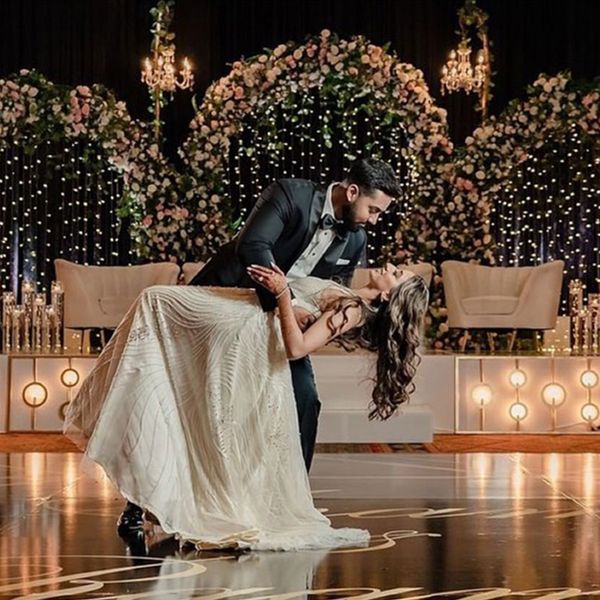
x: 339, y: 72
x: 186, y: 215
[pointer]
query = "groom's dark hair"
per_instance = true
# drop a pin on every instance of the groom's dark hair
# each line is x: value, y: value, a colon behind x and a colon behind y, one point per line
x: 371, y: 174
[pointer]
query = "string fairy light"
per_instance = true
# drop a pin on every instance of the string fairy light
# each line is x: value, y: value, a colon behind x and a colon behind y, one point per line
x: 550, y: 209
x: 306, y: 138
x: 55, y: 202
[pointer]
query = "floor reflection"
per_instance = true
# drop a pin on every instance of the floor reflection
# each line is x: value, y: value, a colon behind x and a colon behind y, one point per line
x: 440, y: 524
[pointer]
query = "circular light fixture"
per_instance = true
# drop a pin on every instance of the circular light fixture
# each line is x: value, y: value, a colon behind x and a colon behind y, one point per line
x: 554, y: 394
x: 62, y: 410
x: 518, y: 411
x: 69, y: 377
x: 590, y: 412
x: 518, y: 378
x: 481, y: 394
x: 35, y: 394
x: 589, y: 379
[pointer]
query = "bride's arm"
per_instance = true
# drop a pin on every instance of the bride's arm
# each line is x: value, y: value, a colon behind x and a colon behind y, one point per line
x: 327, y: 327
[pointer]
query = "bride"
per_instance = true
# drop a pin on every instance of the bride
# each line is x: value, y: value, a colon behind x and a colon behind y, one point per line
x: 190, y: 408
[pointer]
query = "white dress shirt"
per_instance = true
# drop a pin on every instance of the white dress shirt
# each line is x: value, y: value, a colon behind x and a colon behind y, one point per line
x: 319, y: 244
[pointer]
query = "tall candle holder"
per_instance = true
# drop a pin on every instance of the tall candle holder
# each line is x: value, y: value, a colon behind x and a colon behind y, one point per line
x: 8, y: 304
x: 27, y: 316
x: 39, y: 311
x: 33, y: 325
x: 585, y: 339
x: 594, y: 310
x: 57, y: 299
x: 17, y: 315
x: 49, y: 326
x: 575, y: 307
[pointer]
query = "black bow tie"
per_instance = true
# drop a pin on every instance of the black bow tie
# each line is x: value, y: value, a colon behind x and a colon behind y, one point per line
x: 328, y: 222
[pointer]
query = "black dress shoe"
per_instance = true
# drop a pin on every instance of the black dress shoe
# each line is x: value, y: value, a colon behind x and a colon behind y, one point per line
x: 131, y: 521
x: 136, y: 545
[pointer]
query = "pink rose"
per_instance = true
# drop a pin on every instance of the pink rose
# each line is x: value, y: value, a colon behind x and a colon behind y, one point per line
x: 84, y: 90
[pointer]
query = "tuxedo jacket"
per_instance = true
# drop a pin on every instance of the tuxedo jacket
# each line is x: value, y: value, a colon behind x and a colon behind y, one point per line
x: 279, y: 228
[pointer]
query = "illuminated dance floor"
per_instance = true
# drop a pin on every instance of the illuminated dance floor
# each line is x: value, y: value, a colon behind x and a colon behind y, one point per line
x: 468, y: 525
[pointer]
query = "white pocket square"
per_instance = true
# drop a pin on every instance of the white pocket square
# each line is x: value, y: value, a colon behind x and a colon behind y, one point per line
x: 343, y: 261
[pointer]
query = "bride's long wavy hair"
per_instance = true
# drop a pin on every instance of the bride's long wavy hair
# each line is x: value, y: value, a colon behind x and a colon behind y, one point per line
x: 392, y: 329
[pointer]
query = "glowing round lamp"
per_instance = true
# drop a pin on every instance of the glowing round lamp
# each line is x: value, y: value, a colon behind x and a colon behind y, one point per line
x: 35, y: 394
x: 590, y: 412
x: 589, y: 379
x: 554, y: 394
x: 481, y: 394
x: 518, y: 378
x: 518, y: 411
x: 69, y: 377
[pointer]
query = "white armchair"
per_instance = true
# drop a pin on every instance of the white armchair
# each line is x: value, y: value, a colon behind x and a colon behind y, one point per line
x: 99, y: 296
x: 513, y: 298
x: 425, y: 270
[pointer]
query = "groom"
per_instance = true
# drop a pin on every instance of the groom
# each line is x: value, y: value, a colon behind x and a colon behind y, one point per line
x: 305, y: 230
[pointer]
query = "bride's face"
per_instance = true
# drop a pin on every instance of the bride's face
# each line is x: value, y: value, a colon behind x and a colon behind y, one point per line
x: 387, y: 278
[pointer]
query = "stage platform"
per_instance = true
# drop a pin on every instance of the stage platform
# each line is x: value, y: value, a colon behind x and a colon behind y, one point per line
x: 442, y: 403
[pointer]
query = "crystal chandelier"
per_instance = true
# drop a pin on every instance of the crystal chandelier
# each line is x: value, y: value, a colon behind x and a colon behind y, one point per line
x: 459, y: 73
x: 159, y: 72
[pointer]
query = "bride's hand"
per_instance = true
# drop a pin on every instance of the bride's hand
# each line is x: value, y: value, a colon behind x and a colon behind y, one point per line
x: 273, y: 279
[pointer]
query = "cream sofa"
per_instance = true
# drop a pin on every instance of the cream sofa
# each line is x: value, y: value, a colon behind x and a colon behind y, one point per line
x: 99, y: 296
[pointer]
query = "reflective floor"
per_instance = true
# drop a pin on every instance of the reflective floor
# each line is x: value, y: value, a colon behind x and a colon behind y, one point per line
x: 472, y: 525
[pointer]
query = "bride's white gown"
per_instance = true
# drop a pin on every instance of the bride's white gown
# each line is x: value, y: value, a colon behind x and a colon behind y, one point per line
x: 190, y: 411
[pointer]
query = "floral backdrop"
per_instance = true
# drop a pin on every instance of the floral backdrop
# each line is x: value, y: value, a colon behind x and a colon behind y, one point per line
x: 185, y: 214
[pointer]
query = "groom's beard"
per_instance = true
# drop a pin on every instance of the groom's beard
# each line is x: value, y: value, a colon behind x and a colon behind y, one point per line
x: 349, y: 218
